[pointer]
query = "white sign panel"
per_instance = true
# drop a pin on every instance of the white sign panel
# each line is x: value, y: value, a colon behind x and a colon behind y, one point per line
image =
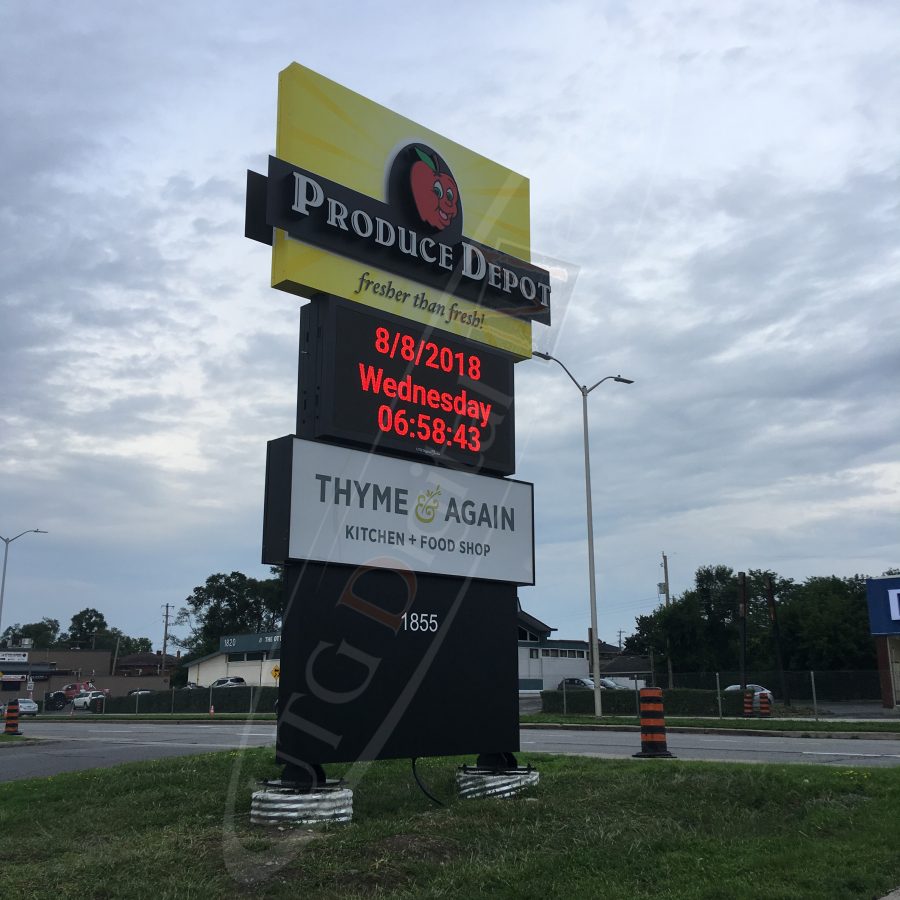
x: 10, y: 656
x: 894, y: 602
x: 357, y: 508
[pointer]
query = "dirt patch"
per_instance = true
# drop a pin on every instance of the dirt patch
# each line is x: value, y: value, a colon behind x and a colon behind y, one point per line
x: 421, y: 847
x: 394, y: 861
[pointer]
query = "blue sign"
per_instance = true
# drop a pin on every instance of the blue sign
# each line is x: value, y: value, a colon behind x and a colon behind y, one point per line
x: 883, y: 595
x: 247, y: 643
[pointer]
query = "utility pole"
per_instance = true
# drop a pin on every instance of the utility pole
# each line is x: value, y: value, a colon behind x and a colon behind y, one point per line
x: 115, y: 657
x: 165, y: 638
x: 665, y: 565
x: 776, y: 635
x: 621, y: 632
x: 742, y: 613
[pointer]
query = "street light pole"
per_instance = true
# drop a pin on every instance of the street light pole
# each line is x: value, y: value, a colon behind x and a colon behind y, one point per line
x: 7, y: 542
x: 592, y: 580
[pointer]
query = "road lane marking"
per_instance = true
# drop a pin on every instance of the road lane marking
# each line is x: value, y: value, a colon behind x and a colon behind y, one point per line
x: 848, y: 753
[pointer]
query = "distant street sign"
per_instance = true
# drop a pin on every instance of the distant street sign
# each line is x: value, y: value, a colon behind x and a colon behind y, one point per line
x: 276, y: 672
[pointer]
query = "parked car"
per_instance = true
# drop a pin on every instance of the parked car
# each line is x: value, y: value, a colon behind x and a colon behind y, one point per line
x: 606, y: 684
x: 575, y: 684
x: 230, y: 681
x: 193, y: 686
x: 140, y: 691
x: 26, y: 707
x: 77, y: 687
x: 758, y: 691
x: 54, y: 700
x: 83, y: 700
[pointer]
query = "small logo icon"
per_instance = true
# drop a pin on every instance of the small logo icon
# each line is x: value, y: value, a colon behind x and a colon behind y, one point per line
x: 427, y: 505
x: 421, y: 187
x: 435, y: 193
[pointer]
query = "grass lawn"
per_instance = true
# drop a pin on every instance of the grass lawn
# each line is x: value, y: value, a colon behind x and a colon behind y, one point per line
x: 593, y: 828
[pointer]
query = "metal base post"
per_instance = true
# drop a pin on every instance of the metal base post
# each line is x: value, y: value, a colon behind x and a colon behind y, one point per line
x: 474, y: 782
x: 282, y: 804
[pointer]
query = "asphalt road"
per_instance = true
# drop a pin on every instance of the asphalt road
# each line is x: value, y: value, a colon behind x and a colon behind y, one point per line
x: 74, y: 746
x: 718, y: 747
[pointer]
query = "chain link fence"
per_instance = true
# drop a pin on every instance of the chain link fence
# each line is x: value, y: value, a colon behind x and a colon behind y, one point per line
x: 248, y: 699
x: 795, y: 687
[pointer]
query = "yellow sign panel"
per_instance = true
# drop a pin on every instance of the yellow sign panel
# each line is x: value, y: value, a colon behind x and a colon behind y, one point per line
x: 347, y: 139
x: 276, y: 672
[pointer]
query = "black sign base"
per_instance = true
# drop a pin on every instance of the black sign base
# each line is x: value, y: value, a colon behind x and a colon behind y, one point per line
x: 384, y: 663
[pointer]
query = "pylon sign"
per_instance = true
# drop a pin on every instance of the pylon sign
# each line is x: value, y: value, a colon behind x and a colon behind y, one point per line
x: 401, y: 538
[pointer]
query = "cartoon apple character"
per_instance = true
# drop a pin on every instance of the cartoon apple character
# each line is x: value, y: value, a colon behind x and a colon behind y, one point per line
x: 435, y: 193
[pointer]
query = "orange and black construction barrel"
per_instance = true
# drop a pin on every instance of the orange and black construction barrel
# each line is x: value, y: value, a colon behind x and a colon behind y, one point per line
x: 765, y: 704
x: 11, y: 725
x: 748, y: 704
x: 653, y: 725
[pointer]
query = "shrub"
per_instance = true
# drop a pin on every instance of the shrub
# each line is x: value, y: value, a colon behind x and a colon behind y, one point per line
x: 237, y: 699
x: 676, y: 702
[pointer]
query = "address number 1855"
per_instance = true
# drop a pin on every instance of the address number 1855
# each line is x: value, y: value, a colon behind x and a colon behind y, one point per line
x: 419, y: 621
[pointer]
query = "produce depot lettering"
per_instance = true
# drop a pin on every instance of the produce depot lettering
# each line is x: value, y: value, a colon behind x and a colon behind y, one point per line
x: 315, y: 210
x: 472, y: 261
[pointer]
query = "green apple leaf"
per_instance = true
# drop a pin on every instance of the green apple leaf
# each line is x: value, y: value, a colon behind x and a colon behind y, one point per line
x: 426, y: 159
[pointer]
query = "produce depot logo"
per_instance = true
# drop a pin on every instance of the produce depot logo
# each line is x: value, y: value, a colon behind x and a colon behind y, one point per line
x: 433, y: 191
x: 417, y: 233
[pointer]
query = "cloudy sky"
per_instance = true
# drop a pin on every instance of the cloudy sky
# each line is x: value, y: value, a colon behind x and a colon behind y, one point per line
x: 721, y: 179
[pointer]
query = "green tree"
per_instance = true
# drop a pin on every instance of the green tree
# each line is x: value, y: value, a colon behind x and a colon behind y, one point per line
x: 110, y: 637
x: 229, y: 604
x: 701, y: 628
x: 698, y: 629
x: 825, y: 625
x: 43, y: 634
x: 85, y: 627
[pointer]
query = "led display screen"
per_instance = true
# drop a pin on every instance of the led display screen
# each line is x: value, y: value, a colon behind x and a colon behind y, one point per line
x: 387, y: 384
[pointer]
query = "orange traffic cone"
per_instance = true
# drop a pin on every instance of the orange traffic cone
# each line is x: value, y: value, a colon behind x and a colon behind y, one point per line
x: 11, y: 719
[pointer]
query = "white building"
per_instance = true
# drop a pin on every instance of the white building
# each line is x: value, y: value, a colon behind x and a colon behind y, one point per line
x: 254, y: 657
x: 544, y: 662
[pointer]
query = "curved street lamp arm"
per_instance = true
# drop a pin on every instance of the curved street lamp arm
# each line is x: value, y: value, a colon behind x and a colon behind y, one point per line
x: 564, y: 368
x: 608, y: 377
x: 8, y: 541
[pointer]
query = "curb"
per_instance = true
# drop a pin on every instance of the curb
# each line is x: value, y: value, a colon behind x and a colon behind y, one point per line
x: 114, y: 717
